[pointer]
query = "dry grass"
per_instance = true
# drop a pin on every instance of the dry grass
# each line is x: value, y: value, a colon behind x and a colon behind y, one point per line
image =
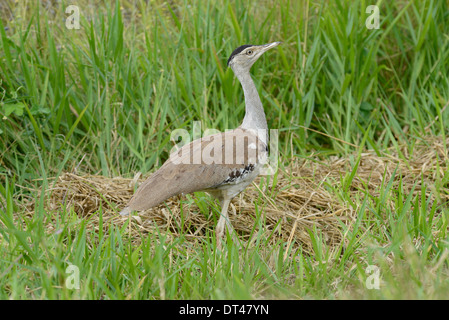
x: 301, y: 198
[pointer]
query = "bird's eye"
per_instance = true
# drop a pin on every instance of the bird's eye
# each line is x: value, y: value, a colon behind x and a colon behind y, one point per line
x: 249, y: 52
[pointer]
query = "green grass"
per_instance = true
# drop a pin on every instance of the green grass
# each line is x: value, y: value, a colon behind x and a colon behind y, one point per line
x: 104, y: 99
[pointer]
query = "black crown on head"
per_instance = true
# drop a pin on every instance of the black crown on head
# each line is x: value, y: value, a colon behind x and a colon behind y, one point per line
x: 237, y: 51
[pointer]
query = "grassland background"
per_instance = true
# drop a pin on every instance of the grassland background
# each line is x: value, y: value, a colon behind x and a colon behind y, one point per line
x: 103, y: 99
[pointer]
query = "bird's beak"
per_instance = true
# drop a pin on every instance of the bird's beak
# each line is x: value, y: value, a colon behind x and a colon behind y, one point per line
x: 268, y: 46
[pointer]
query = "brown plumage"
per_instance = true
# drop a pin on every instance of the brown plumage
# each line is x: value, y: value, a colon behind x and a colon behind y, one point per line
x: 181, y: 175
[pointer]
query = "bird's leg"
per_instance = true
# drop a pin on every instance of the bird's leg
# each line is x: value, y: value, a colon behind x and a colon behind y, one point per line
x: 224, y: 220
x: 220, y: 230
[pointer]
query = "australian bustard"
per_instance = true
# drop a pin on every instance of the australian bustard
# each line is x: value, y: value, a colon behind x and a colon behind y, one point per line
x: 222, y: 164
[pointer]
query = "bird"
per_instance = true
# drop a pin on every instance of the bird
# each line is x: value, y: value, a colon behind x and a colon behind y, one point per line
x: 222, y: 164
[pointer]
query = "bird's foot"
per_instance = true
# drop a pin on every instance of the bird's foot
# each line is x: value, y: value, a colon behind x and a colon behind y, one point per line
x: 221, y: 238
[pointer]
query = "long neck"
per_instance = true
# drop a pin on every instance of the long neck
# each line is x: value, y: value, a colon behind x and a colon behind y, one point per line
x: 254, y: 113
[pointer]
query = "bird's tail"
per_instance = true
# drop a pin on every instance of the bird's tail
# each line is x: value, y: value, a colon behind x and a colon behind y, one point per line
x: 126, y: 212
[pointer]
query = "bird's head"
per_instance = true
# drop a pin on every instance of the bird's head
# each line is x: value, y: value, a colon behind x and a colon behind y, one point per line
x: 243, y: 57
